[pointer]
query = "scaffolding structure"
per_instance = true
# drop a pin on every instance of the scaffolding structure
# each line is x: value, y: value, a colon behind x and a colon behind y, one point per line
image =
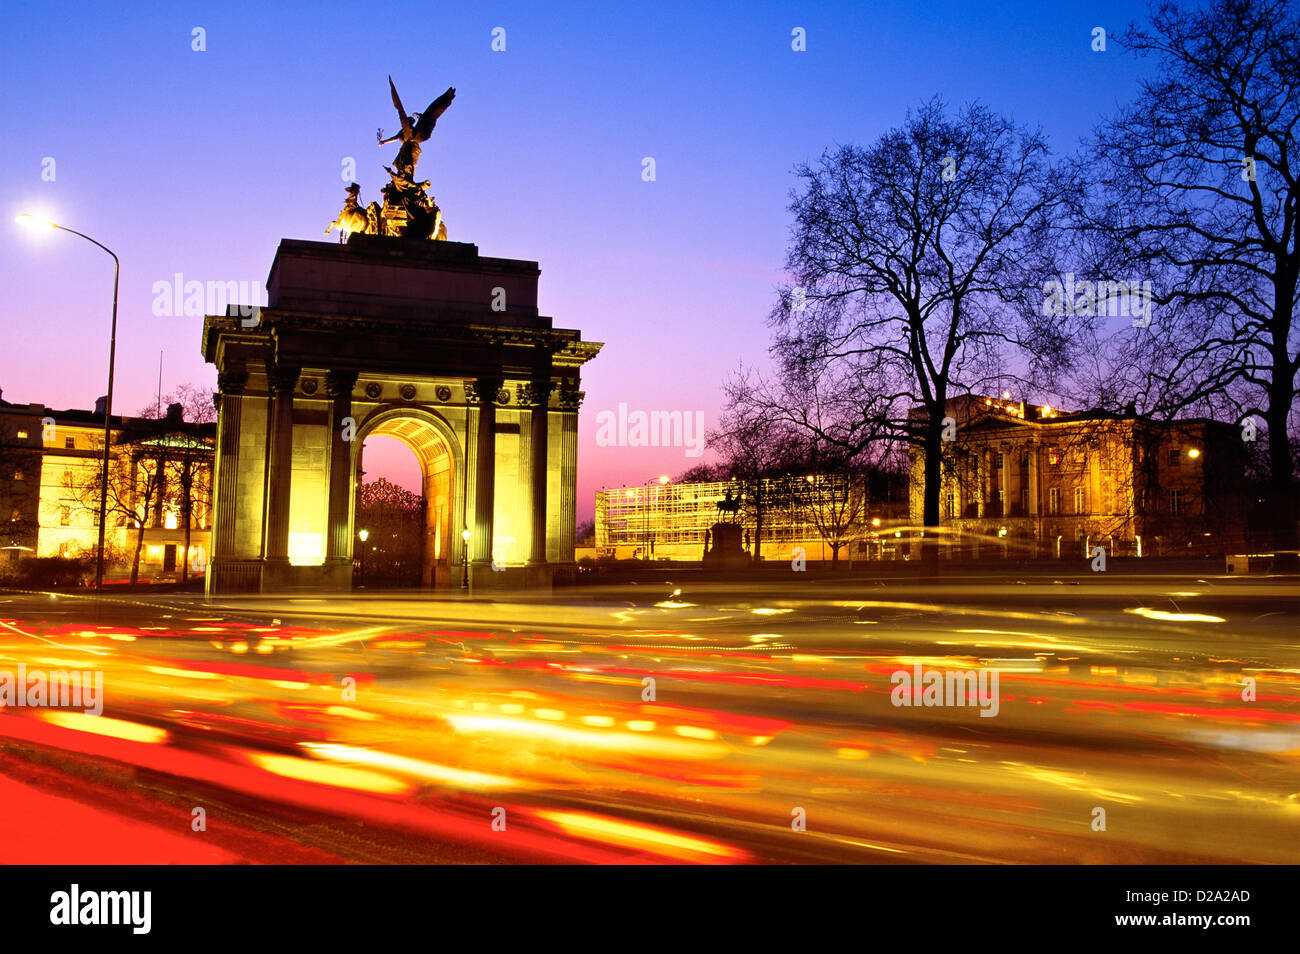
x: 664, y: 521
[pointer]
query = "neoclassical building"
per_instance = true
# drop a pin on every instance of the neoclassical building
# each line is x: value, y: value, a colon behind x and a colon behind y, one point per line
x: 49, y: 489
x: 427, y: 342
x: 1029, y: 480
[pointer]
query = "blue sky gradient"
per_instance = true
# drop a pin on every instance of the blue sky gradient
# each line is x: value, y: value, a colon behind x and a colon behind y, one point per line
x: 200, y: 162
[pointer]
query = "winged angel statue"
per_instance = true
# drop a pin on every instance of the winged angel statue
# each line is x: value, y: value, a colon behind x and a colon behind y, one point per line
x: 408, y: 210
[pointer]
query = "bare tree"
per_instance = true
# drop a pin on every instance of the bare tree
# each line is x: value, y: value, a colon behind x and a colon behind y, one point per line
x: 135, y: 482
x: 187, y: 456
x: 834, y: 500
x: 911, y: 261
x: 701, y: 474
x: 756, y: 452
x: 1198, y: 191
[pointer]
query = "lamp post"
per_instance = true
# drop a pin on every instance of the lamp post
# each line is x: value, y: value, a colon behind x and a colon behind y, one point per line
x: 464, y: 579
x: 364, y: 534
x: 28, y: 219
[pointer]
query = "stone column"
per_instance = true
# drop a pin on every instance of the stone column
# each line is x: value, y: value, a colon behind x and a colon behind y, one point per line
x: 538, y: 396
x: 570, y: 400
x: 483, y: 392
x: 283, y: 381
x: 225, y: 474
x: 1035, y: 504
x: 1096, y: 505
x: 338, y: 552
x: 1032, y: 480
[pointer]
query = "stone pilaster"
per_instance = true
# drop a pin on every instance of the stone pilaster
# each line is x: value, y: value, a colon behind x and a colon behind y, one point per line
x: 1033, y: 479
x: 225, y: 472
x: 339, y: 385
x: 570, y: 400
x: 537, y: 396
x: 483, y: 393
x: 282, y: 380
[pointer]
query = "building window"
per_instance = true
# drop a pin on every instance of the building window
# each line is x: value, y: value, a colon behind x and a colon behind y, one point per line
x: 70, y: 442
x: 1080, y: 500
x: 1175, y: 503
x: 22, y: 435
x: 950, y: 505
x: 65, y: 516
x: 1054, y: 500
x: 1024, y: 500
x: 1053, y: 455
x: 1024, y: 458
x: 1173, y: 457
x: 1001, y: 460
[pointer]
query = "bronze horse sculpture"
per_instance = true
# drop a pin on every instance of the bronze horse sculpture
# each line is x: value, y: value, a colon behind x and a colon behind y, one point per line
x: 730, y: 504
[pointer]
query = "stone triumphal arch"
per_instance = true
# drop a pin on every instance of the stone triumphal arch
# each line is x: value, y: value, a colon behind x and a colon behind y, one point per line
x: 428, y: 342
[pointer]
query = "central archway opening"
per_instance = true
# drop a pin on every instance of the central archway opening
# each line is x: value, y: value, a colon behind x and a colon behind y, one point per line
x: 409, y: 502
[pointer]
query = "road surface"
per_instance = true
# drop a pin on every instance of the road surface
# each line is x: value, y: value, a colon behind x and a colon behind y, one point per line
x: 1137, y: 719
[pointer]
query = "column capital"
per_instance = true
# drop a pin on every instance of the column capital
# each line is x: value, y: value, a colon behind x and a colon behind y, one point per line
x: 483, y: 389
x: 571, y: 398
x: 340, y: 383
x: 536, y: 393
x: 283, y: 377
x: 232, y: 381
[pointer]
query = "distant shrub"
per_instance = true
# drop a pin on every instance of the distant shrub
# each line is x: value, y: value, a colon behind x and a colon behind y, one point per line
x: 44, y: 572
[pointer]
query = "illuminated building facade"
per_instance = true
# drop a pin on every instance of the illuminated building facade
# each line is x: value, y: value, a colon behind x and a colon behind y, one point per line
x: 1034, y: 481
x: 50, y: 464
x: 427, y: 342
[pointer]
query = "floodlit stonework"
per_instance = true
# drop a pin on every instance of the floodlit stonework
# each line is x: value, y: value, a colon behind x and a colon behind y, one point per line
x: 50, y: 463
x: 426, y: 342
x: 1025, y: 480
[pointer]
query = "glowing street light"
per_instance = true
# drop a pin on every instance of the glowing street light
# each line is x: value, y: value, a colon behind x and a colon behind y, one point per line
x: 34, y: 221
x: 364, y: 535
x: 1194, y: 453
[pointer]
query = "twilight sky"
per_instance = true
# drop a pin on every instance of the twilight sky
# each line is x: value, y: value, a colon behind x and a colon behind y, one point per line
x: 200, y: 162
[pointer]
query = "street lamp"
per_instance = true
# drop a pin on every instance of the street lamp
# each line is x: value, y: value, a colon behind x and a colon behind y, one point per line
x: 29, y: 220
x: 364, y: 535
x: 464, y: 579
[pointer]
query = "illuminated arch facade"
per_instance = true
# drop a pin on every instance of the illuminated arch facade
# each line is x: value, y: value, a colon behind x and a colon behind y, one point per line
x: 427, y: 342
